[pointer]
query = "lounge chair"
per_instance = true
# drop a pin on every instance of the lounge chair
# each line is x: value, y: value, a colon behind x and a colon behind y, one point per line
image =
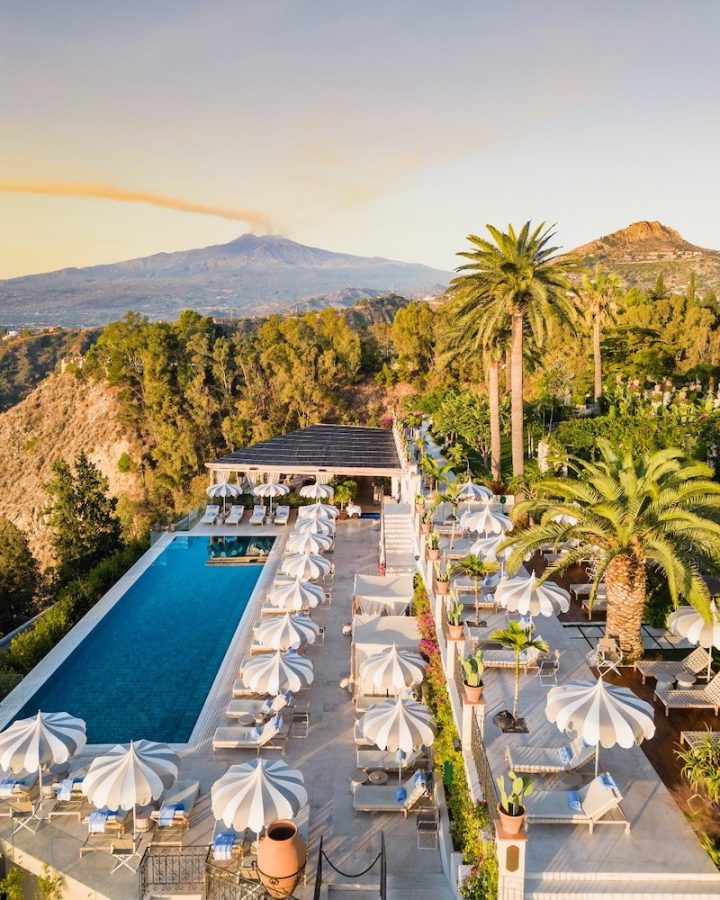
x: 270, y: 706
x: 234, y: 517
x: 282, y: 515
x: 695, y: 662
x: 258, y: 515
x: 238, y: 737
x: 104, y: 827
x: 547, y: 760
x: 212, y: 511
x: 385, y: 759
x: 505, y: 659
x: 707, y: 697
x: 387, y: 798
x: 69, y: 801
x: 173, y: 817
x: 598, y: 803
x: 228, y: 846
x: 693, y: 738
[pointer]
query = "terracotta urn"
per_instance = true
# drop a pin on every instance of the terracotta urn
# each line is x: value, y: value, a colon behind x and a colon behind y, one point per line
x: 456, y: 632
x: 281, y: 858
x: 511, y: 824
x: 442, y: 586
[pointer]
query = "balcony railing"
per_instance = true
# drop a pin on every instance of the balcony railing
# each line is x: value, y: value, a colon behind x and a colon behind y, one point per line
x: 477, y: 748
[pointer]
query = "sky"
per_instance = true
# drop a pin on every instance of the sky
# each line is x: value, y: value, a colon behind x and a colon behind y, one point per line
x: 376, y: 127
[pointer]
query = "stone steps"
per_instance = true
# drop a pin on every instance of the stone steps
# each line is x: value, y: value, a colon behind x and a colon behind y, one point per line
x: 611, y: 889
x: 427, y: 887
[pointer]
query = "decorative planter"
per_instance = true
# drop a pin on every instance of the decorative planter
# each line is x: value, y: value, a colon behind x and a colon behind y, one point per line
x: 281, y: 858
x: 433, y: 554
x: 456, y: 632
x: 342, y: 515
x: 442, y: 587
x: 425, y: 527
x: 473, y: 694
x: 511, y: 824
x: 419, y: 507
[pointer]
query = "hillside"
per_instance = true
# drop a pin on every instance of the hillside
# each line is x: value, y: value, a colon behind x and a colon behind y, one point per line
x: 644, y: 249
x: 248, y: 276
x: 62, y: 416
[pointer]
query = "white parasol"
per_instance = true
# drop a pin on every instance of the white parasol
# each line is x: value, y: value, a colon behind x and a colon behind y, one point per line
x: 275, y: 673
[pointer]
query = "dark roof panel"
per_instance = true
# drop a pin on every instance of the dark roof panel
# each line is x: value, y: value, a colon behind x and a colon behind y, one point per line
x: 322, y: 446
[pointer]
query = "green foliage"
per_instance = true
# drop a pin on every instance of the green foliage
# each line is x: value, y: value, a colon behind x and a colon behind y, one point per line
x: 483, y: 880
x: 30, y: 445
x: 442, y: 572
x: 433, y: 541
x: 454, y: 609
x: 474, y: 667
x: 82, y: 517
x: 19, y: 576
x: 13, y: 884
x: 50, y: 884
x: 512, y: 798
x: 701, y: 766
x: 73, y: 601
x: 413, y: 339
x: 345, y: 492
x: 125, y: 463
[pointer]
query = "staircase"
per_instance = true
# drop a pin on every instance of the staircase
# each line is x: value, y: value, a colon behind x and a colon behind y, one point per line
x: 419, y: 887
x: 399, y: 539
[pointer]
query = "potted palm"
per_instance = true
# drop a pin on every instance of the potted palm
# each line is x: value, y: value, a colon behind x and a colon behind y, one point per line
x: 426, y: 521
x: 454, y: 614
x: 476, y: 569
x: 511, y: 808
x: 474, y: 667
x: 345, y: 493
x: 442, y: 577
x: 515, y: 638
x: 433, y: 546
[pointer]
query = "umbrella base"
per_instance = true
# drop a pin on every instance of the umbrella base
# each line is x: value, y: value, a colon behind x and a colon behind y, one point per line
x: 508, y: 724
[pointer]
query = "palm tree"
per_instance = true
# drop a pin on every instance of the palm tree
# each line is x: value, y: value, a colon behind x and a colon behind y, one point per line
x: 519, y: 277
x: 435, y: 470
x: 474, y: 568
x: 626, y: 513
x: 515, y: 638
x: 600, y: 295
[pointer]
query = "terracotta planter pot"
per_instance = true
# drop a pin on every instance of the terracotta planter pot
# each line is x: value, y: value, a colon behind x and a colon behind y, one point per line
x: 456, y: 632
x: 281, y: 858
x: 433, y: 554
x: 419, y: 507
x: 511, y: 824
x: 473, y: 694
x: 442, y: 587
x: 425, y: 527
x: 342, y: 515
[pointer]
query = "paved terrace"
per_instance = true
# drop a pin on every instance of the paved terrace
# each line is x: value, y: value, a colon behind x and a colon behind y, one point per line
x: 326, y: 758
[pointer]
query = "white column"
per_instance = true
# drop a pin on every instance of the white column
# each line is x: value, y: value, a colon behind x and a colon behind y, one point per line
x: 511, y: 863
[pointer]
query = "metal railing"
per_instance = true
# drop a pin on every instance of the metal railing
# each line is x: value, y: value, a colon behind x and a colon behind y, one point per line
x: 381, y: 887
x: 319, y: 872
x: 221, y: 886
x: 182, y: 868
x: 383, y: 867
x: 477, y: 748
x: 458, y: 672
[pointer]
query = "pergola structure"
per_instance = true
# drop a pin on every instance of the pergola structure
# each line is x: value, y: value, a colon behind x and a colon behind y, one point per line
x: 319, y: 451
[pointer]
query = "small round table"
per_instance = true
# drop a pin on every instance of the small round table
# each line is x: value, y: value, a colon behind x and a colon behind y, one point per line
x: 686, y: 679
x: 378, y: 777
x: 665, y: 680
x: 246, y: 718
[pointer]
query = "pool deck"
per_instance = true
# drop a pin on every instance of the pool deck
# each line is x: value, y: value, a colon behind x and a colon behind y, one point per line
x: 326, y: 758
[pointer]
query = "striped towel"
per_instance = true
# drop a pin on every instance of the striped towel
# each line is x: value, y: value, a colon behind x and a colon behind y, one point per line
x: 7, y: 785
x: 64, y: 788
x: 98, y: 820
x: 222, y: 847
x: 574, y: 801
x: 166, y: 816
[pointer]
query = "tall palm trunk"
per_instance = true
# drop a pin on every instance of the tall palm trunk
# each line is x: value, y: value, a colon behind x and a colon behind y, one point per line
x: 625, y: 579
x: 495, y: 438
x: 508, y: 369
x: 516, y: 695
x: 516, y: 380
x: 597, y: 357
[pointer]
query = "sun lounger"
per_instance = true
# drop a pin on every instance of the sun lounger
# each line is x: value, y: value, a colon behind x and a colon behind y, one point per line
x: 270, y: 706
x: 386, y: 798
x: 707, y: 697
x: 258, y: 515
x: 599, y: 604
x: 103, y: 829
x: 693, y: 738
x: 547, y: 760
x: 229, y: 846
x: 69, y: 801
x: 212, y: 511
x: 238, y: 737
x: 234, y: 517
x: 598, y: 803
x: 385, y: 759
x: 505, y: 659
x: 282, y: 515
x: 695, y: 662
x: 172, y: 819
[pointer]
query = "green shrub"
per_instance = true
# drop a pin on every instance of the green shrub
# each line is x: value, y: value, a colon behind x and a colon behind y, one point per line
x: 124, y: 463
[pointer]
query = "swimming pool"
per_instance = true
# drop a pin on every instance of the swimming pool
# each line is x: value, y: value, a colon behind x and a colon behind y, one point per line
x: 145, y: 669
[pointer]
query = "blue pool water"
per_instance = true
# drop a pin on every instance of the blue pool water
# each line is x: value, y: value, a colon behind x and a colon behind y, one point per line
x: 145, y: 669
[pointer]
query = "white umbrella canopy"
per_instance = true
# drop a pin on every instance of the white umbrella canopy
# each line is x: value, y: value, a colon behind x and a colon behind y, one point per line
x: 127, y: 776
x: 47, y: 738
x: 307, y: 542
x: 296, y: 595
x: 602, y: 714
x: 399, y: 725
x: 305, y: 565
x: 471, y: 491
x: 487, y: 547
x: 275, y: 673
x: 317, y: 491
x: 256, y: 793
x: 315, y: 525
x: 318, y: 510
x: 525, y: 596
x: 687, y: 622
x: 392, y: 669
x: 224, y: 490
x: 283, y: 632
x: 486, y: 520
x: 271, y: 489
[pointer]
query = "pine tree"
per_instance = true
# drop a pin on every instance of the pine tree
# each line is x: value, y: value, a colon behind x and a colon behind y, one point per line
x: 659, y: 292
x: 691, y: 287
x: 82, y: 517
x: 19, y: 576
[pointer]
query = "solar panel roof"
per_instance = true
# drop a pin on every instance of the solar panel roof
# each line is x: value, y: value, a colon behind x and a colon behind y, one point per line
x: 344, y: 447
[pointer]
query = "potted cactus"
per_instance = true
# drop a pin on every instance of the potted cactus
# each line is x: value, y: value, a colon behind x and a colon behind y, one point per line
x: 433, y: 546
x: 454, y: 614
x: 511, y: 808
x: 419, y: 503
x: 474, y: 667
x: 442, y: 577
x: 426, y: 521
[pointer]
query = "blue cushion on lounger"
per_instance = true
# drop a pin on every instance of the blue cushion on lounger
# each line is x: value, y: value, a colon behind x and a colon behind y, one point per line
x: 401, y: 795
x: 574, y: 801
x: 255, y: 733
x: 565, y: 754
x: 277, y: 722
x: 608, y: 781
x: 419, y: 778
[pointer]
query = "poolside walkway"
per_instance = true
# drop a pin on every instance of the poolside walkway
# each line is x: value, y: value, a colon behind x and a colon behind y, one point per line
x: 326, y: 758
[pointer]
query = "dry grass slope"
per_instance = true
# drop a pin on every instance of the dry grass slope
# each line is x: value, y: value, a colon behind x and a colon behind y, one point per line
x: 61, y: 417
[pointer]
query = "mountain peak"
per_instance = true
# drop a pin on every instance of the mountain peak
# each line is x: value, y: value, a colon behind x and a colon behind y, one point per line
x: 639, y: 236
